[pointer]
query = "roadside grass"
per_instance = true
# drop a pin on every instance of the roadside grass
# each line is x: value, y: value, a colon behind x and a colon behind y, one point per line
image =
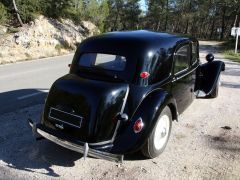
x: 63, y: 45
x: 227, y: 49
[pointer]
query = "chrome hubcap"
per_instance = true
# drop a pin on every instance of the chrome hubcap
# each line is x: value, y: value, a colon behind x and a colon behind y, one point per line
x: 161, y: 132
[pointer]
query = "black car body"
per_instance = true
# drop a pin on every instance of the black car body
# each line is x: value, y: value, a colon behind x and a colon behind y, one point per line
x: 118, y: 87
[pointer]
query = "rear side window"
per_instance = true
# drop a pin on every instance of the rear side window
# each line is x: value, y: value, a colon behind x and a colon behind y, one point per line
x: 181, y: 59
x: 104, y: 61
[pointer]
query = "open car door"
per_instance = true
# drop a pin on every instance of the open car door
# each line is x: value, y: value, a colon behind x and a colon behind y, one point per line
x: 207, y: 78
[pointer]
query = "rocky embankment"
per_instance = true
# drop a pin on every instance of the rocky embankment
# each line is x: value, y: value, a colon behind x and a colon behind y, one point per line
x: 44, y: 37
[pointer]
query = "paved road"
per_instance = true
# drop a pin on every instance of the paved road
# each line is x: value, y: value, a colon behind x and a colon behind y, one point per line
x: 27, y: 83
x: 199, y: 147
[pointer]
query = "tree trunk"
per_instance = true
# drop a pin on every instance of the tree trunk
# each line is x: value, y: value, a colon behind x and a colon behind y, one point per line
x: 223, y: 23
x: 212, y: 29
x: 186, y: 29
x: 166, y: 19
x: 17, y: 12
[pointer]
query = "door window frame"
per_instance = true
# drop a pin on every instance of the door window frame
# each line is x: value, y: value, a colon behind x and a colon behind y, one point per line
x: 194, y: 43
x: 174, y: 59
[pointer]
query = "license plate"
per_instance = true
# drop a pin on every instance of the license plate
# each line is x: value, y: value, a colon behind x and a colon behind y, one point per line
x: 65, y: 117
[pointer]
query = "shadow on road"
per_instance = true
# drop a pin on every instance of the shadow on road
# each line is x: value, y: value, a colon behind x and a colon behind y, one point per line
x: 13, y: 100
x: 18, y: 148
x: 225, y: 142
x: 230, y: 85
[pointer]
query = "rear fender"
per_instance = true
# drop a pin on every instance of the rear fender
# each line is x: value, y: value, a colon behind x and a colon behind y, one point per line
x: 149, y: 110
x: 207, y: 78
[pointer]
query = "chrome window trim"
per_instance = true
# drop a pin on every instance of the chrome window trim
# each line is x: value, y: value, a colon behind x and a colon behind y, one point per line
x: 174, y: 59
x: 175, y: 79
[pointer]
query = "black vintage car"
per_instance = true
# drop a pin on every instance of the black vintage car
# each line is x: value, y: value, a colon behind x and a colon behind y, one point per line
x: 123, y: 91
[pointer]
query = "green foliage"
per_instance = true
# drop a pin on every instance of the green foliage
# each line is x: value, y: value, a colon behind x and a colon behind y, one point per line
x: 199, y: 18
x: 28, y: 9
x: 58, y: 47
x: 230, y: 54
x: 123, y: 15
x: 13, y: 30
x: 3, y: 14
x: 55, y: 9
x: 227, y: 49
x: 96, y: 11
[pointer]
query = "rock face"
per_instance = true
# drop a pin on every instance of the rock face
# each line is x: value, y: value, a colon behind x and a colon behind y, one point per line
x: 44, y: 37
x: 3, y: 30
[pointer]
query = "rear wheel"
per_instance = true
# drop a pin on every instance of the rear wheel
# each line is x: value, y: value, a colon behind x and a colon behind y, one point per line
x: 158, y: 139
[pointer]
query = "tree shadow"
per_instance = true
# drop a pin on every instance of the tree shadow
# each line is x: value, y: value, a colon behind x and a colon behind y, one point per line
x: 232, y: 63
x: 224, y: 142
x: 232, y: 71
x: 207, y: 48
x: 230, y: 85
x: 18, y: 148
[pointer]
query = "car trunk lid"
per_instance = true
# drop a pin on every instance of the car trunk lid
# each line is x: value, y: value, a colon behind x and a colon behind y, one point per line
x: 84, y: 108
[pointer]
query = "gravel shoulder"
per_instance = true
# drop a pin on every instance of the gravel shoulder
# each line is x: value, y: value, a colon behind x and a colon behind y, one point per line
x: 199, y: 148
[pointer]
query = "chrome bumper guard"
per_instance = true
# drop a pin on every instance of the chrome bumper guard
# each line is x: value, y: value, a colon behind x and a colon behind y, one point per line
x: 85, y: 150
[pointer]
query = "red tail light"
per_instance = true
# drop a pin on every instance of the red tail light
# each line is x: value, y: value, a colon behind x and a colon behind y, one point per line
x: 138, y: 125
x: 144, y: 75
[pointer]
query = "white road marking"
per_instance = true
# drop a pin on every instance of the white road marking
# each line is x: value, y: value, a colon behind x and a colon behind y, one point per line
x: 36, y: 60
x: 30, y: 95
x: 27, y: 72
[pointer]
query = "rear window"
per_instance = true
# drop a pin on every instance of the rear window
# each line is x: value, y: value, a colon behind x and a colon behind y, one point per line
x: 104, y: 61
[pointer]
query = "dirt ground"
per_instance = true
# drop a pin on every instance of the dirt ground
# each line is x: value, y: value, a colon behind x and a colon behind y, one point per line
x: 201, y: 145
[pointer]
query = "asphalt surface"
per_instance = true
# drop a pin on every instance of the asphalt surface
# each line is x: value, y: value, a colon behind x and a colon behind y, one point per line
x: 27, y: 83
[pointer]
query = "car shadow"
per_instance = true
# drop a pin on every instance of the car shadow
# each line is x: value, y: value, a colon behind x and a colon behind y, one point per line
x: 18, y: 148
x: 137, y: 156
x: 13, y: 100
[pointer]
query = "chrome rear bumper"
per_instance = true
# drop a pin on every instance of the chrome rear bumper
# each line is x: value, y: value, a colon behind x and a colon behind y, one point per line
x: 85, y: 150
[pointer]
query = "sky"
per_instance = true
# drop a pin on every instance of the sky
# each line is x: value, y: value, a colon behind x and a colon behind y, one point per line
x: 143, y: 5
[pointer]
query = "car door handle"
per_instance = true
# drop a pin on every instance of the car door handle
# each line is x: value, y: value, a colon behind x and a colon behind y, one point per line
x: 174, y: 79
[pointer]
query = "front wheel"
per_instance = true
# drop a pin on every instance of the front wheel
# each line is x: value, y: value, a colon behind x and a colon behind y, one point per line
x: 158, y: 139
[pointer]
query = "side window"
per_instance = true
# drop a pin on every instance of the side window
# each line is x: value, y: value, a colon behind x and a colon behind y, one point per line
x: 194, y: 53
x: 182, y: 59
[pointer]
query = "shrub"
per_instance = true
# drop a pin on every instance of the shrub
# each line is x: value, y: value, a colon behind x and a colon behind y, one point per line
x: 3, y: 14
x: 28, y: 9
x: 58, y: 47
x: 13, y: 30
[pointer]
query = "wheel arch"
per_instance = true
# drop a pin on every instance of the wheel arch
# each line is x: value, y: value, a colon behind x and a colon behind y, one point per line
x: 157, y: 100
x: 174, y: 111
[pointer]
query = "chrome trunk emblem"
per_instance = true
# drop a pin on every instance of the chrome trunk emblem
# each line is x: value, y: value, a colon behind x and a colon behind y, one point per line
x: 60, y: 126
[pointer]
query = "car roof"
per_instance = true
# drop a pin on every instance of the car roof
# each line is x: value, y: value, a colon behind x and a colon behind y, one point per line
x: 131, y: 42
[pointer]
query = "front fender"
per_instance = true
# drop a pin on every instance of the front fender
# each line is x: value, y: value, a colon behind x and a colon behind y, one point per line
x: 207, y: 77
x: 127, y: 141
